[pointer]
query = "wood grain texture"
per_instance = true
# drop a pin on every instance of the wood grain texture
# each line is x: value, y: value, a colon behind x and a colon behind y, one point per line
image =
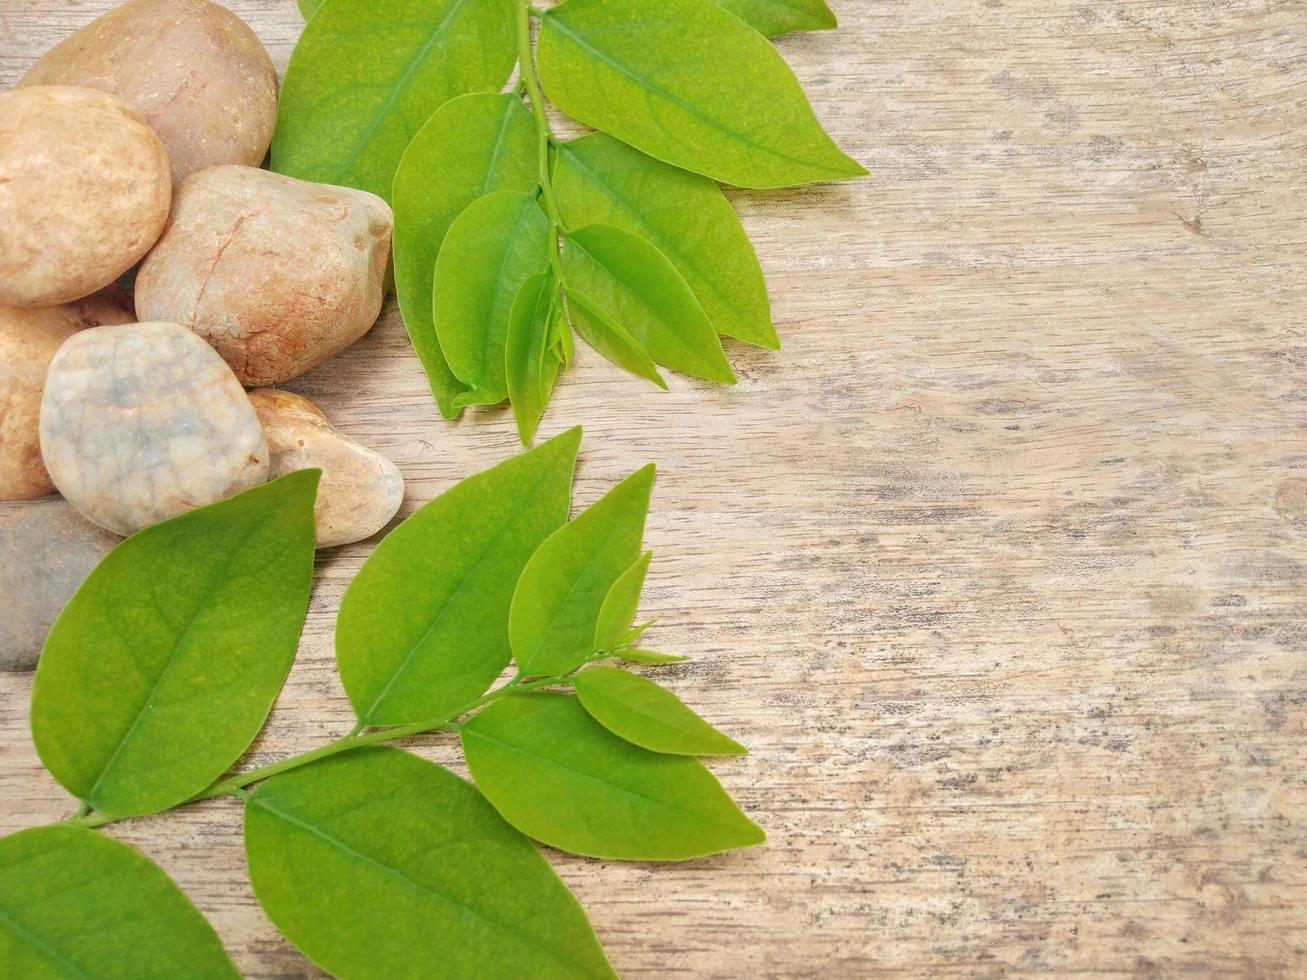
x: 998, y: 566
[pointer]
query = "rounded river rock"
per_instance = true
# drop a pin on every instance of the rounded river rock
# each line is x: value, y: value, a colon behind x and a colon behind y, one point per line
x: 142, y: 422
x: 277, y: 274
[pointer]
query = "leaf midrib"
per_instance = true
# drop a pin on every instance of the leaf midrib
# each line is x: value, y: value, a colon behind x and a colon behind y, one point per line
x: 686, y: 727
x: 437, y: 32
x: 498, y: 149
x: 218, y: 582
x: 511, y: 930
x: 665, y: 325
x: 553, y: 619
x: 674, y: 243
x: 550, y: 760
x: 689, y: 109
x: 520, y: 218
x: 41, y: 945
x: 481, y: 560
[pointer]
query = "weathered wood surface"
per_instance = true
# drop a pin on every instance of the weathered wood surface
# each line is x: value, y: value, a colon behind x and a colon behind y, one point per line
x: 999, y: 566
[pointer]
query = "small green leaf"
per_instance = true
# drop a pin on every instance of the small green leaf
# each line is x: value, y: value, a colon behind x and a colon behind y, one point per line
x: 309, y: 7
x: 472, y: 146
x: 620, y: 605
x: 492, y: 248
x: 634, y: 656
x: 558, y: 598
x: 632, y: 284
x: 423, y: 628
x: 381, y: 864
x: 601, y: 180
x: 690, y: 84
x: 529, y: 365
x: 559, y: 776
x: 610, y: 340
x: 74, y: 903
x: 640, y: 711
x: 635, y: 632
x: 776, y: 17
x: 163, y: 667
x: 365, y: 76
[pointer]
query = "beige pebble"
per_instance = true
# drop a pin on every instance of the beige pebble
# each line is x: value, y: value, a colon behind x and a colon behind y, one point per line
x: 143, y: 422
x: 84, y: 192
x: 193, y: 69
x: 46, y: 551
x: 29, y: 337
x: 360, y: 489
x: 277, y: 274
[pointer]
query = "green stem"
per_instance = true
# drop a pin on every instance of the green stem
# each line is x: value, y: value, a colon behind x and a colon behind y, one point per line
x: 236, y: 784
x: 526, y: 64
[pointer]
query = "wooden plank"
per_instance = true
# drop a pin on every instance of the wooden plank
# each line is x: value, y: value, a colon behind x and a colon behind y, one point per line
x: 998, y: 566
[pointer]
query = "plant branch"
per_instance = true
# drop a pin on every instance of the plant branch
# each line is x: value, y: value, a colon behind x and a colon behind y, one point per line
x: 448, y: 722
x: 527, y: 69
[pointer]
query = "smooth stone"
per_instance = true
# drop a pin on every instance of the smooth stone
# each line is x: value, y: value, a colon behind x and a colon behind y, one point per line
x: 193, y: 69
x: 360, y: 490
x: 142, y: 422
x: 277, y: 274
x: 84, y: 192
x: 29, y: 336
x: 46, y: 551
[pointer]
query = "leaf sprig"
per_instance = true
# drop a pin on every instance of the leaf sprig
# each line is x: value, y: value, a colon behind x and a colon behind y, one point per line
x: 160, y: 672
x: 509, y: 240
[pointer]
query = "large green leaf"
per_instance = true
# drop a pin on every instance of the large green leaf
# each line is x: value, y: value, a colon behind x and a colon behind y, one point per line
x: 471, y: 146
x: 380, y: 864
x: 600, y: 180
x: 366, y: 75
x: 640, y: 711
x: 530, y: 366
x: 612, y: 341
x: 558, y: 598
x: 74, y: 903
x: 633, y: 284
x: 690, y: 84
x: 775, y: 17
x: 163, y: 667
x: 559, y: 776
x: 492, y: 248
x: 423, y: 628
x: 620, y: 606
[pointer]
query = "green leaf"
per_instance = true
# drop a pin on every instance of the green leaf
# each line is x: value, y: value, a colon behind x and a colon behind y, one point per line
x: 558, y: 598
x: 529, y: 365
x: 423, y: 628
x: 634, y: 285
x: 163, y: 667
x: 690, y: 84
x: 472, y: 146
x: 310, y: 7
x: 776, y: 17
x: 492, y: 248
x: 381, y: 864
x: 634, y: 656
x: 610, y: 340
x: 600, y: 180
x: 74, y: 903
x: 620, y: 606
x: 559, y: 776
x: 366, y: 75
x: 640, y: 711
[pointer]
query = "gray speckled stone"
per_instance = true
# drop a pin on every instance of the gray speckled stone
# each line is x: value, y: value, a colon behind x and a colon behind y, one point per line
x: 46, y: 551
x: 145, y: 421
